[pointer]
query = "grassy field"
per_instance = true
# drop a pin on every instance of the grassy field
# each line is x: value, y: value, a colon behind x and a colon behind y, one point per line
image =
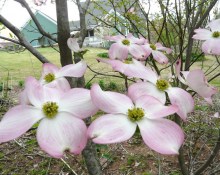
x: 17, y: 66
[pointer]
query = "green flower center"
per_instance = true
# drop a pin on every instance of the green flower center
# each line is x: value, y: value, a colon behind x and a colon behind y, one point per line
x: 126, y: 42
x: 152, y: 46
x: 135, y: 114
x: 50, y: 109
x: 162, y: 85
x: 128, y: 61
x: 49, y: 77
x: 216, y: 34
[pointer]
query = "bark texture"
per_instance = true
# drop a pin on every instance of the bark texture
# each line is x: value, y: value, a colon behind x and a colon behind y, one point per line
x: 91, y: 159
x: 63, y: 32
x: 89, y: 153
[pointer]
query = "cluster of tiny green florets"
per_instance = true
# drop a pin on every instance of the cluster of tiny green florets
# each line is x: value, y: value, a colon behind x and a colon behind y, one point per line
x: 216, y: 34
x: 162, y: 85
x: 50, y: 109
x: 128, y: 61
x: 49, y: 77
x: 135, y: 114
x: 126, y: 42
x: 152, y: 46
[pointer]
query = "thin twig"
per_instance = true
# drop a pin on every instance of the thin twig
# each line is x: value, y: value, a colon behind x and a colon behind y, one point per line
x: 68, y: 166
x: 211, y: 157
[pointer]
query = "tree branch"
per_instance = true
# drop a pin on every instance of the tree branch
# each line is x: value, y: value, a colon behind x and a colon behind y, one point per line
x: 63, y: 32
x: 211, y: 157
x: 11, y: 40
x: 82, y: 16
x: 22, y: 40
x: 211, y: 5
x: 196, y: 25
x: 41, y: 30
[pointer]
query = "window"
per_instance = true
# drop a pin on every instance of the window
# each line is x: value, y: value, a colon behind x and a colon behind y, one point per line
x: 90, y: 33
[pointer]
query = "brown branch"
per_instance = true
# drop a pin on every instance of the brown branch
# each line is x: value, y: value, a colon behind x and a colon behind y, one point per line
x: 181, y: 157
x: 211, y: 5
x: 197, y: 25
x: 41, y: 30
x: 83, y: 27
x: 63, y: 32
x: 22, y: 40
x: 103, y: 74
x: 214, y: 77
x: 145, y: 13
x: 211, y: 157
x: 182, y: 161
x: 89, y: 153
x: 164, y: 18
x: 103, y: 21
x: 134, y: 28
x: 91, y: 158
x: 11, y: 40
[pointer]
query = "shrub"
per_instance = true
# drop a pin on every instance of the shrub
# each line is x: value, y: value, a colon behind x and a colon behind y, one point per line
x: 195, y: 57
x: 1, y: 86
x: 21, y: 83
x: 103, y: 55
x: 88, y: 85
x: 112, y: 86
x: 102, y: 84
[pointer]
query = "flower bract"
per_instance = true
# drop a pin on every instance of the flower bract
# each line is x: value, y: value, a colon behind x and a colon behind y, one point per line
x: 59, y: 114
x: 125, y: 115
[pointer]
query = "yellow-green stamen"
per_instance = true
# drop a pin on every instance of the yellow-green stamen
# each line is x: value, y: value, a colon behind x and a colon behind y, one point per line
x: 49, y: 77
x: 152, y: 46
x: 135, y: 114
x: 126, y: 42
x: 50, y: 109
x: 162, y: 85
x: 128, y: 61
x: 216, y: 34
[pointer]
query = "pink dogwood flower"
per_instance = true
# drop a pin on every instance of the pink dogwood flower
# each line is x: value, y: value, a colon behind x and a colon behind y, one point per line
x: 197, y: 81
x: 125, y: 45
x: 60, y: 114
x: 216, y: 115
x: 39, y: 2
x: 73, y: 45
x: 52, y: 76
x: 130, y: 68
x: 146, y: 112
x: 211, y: 37
x: 131, y: 10
x: 177, y: 96
x: 157, y: 51
x: 154, y: 85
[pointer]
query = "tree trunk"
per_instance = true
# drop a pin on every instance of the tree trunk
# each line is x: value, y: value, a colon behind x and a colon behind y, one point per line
x: 89, y: 153
x: 63, y: 31
x: 91, y: 159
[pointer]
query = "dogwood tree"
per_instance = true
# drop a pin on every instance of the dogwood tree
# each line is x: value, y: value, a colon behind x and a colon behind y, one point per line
x: 63, y: 107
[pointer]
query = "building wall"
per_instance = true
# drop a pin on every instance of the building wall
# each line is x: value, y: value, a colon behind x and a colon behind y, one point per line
x: 32, y: 34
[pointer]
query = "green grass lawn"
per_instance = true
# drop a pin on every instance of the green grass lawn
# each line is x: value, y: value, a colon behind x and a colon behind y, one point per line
x: 17, y: 66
